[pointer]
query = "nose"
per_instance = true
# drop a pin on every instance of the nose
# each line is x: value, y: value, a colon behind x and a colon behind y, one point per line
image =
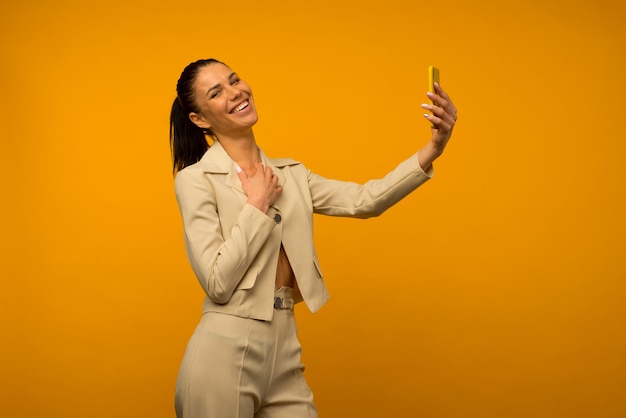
x: 233, y: 92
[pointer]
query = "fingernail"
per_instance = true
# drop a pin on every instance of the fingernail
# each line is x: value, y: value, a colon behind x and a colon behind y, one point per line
x: 436, y: 84
x: 238, y: 169
x: 426, y: 115
x: 424, y: 105
x: 429, y: 94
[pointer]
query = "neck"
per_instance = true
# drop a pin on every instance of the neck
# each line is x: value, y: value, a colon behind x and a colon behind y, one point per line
x: 243, y: 150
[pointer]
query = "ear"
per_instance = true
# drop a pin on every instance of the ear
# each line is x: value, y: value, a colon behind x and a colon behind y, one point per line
x: 199, y: 120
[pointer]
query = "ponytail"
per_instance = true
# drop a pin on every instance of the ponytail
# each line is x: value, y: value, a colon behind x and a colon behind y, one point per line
x: 188, y: 142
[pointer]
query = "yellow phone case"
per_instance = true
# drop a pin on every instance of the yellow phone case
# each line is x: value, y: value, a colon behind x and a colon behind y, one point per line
x: 433, y: 77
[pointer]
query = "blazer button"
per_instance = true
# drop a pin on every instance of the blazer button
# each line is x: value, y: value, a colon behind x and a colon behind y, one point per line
x: 277, y: 218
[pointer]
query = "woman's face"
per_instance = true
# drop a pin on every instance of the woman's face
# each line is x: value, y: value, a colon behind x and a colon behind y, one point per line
x: 225, y: 101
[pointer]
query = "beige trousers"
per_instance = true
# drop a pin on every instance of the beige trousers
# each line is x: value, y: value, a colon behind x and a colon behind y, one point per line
x: 244, y: 368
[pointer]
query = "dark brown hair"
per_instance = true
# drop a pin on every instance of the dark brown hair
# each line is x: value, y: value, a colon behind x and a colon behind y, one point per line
x: 187, y: 141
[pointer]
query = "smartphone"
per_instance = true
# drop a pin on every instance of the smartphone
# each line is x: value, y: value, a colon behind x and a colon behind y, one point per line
x: 433, y: 77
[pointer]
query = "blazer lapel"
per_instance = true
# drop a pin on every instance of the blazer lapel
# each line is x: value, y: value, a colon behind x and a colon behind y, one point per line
x: 217, y: 161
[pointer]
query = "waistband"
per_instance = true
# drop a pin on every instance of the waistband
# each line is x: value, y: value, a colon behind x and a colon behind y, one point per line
x: 283, y: 298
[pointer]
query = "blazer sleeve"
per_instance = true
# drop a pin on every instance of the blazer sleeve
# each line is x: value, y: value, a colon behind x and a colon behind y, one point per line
x: 219, y: 263
x: 349, y: 199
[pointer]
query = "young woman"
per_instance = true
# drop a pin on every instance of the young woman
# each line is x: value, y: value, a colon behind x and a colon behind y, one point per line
x: 248, y: 233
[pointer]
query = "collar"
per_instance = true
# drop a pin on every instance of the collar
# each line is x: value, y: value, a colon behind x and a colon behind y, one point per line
x: 217, y: 161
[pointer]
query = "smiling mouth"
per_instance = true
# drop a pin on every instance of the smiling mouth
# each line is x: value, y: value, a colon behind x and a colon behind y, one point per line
x: 241, y: 107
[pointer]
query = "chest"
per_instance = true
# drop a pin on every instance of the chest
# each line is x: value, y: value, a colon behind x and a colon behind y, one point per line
x: 292, y: 211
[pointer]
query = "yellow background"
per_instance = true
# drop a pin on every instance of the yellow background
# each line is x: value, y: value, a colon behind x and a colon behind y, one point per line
x: 496, y: 290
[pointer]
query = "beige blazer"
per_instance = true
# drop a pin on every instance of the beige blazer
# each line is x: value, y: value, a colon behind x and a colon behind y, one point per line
x: 233, y: 247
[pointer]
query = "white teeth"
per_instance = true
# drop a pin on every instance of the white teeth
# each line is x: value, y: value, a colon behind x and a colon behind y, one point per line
x: 241, y: 107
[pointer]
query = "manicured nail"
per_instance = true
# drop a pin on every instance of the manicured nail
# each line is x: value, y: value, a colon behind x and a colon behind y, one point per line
x: 436, y: 84
x: 238, y: 169
x: 424, y: 105
x: 426, y: 115
x: 429, y: 94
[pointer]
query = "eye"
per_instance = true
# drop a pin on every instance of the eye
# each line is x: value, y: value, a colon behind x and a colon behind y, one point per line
x: 215, y: 94
x: 234, y: 81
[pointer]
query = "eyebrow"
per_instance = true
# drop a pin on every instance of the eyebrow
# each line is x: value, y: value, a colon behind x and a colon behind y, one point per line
x: 230, y: 77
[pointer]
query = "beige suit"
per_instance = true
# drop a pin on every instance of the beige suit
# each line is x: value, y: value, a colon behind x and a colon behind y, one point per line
x: 247, y: 363
x: 233, y: 247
